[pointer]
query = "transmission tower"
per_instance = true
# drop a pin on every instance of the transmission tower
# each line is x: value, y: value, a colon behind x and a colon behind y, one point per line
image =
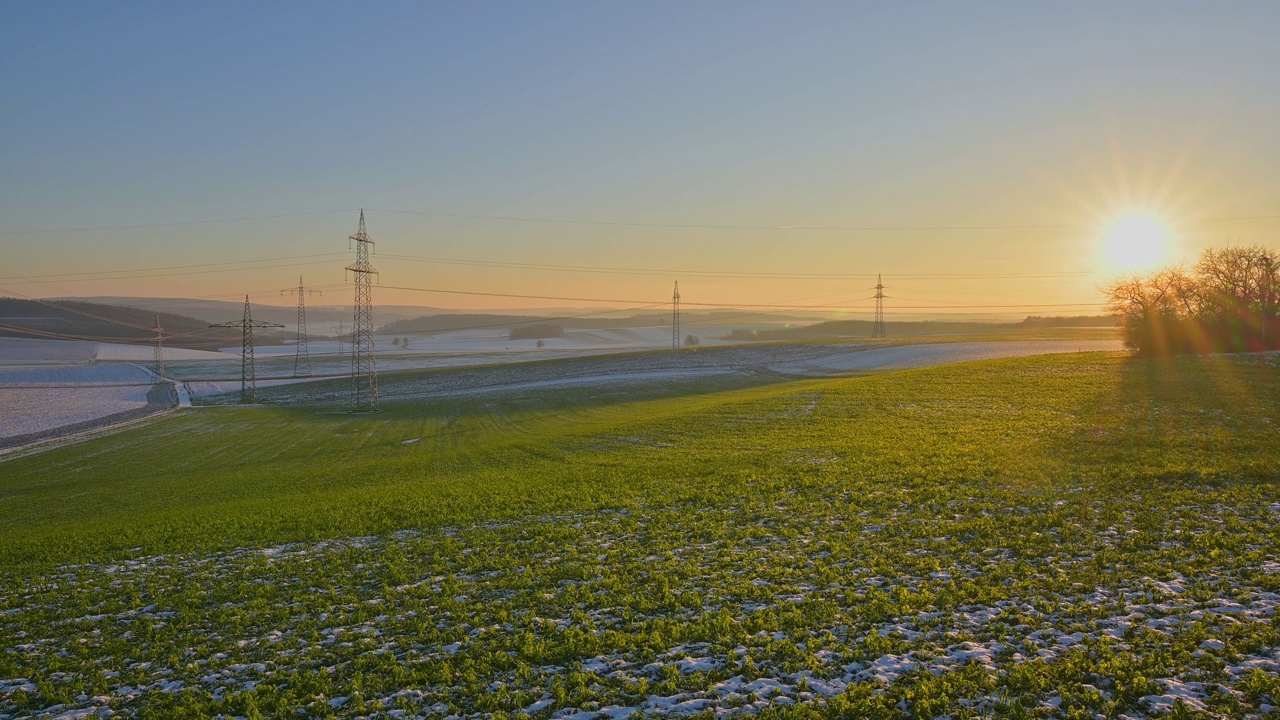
x: 675, y: 317
x: 248, y: 376
x: 364, y: 367
x: 302, y: 356
x: 157, y: 363
x: 877, y: 328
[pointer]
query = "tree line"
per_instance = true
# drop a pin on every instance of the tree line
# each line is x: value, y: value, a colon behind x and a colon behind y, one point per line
x: 1229, y: 301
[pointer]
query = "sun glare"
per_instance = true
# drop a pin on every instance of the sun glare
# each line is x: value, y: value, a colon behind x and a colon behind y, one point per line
x: 1136, y: 242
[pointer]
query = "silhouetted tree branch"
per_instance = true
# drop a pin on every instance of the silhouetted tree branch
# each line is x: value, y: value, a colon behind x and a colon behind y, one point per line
x: 1230, y: 302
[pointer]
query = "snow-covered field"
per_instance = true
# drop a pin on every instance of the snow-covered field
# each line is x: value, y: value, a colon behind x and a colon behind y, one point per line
x: 35, y: 410
x: 40, y: 398
x: 72, y: 375
x: 498, y: 341
x: 142, y: 353
x: 464, y: 348
x: 22, y: 350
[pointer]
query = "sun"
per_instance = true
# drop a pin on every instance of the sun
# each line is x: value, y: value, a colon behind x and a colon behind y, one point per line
x: 1136, y: 242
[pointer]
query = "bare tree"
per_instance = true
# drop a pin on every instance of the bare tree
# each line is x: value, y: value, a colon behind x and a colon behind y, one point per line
x: 1149, y: 307
x: 1241, y: 284
x: 1230, y: 301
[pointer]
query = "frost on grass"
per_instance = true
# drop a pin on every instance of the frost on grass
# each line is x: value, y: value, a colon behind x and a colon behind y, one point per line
x: 882, y: 601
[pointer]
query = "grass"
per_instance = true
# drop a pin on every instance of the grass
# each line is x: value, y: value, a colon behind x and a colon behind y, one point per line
x: 1070, y: 535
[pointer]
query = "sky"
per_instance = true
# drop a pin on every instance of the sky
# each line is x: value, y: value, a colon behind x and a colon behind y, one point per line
x: 760, y: 153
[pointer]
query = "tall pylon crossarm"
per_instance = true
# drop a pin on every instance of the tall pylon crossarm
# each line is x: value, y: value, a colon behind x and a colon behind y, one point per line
x: 248, y: 370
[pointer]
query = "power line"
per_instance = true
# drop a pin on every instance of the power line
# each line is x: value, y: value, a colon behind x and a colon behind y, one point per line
x: 77, y: 312
x: 699, y: 226
x: 624, y: 223
x: 52, y: 335
x: 113, y: 275
x: 180, y: 267
x: 169, y: 274
x: 723, y: 305
x: 169, y: 224
x: 818, y: 228
x: 543, y: 319
x: 643, y: 304
x: 94, y: 316
x: 115, y: 339
x: 8, y: 387
x: 100, y: 275
x: 218, y: 297
x: 594, y: 269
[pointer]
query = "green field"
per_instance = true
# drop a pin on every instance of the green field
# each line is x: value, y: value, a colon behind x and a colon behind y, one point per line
x: 1072, y: 535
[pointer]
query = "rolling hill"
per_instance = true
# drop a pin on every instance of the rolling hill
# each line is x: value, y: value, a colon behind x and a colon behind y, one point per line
x: 67, y: 320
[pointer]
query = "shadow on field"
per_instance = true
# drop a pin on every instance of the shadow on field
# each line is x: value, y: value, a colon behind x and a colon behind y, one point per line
x: 404, y: 396
x: 619, y: 377
x: 1185, y: 421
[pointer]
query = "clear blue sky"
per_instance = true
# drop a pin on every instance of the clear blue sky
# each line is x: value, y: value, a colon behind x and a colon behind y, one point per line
x: 722, y: 113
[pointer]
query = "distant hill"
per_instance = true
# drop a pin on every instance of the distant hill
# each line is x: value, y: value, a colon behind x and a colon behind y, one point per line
x: 436, y: 324
x: 215, y: 311
x: 862, y: 328
x: 413, y: 319
x: 69, y: 320
x: 1035, y: 321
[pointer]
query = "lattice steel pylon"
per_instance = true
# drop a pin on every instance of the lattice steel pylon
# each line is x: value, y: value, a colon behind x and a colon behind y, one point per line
x: 364, y: 366
x: 877, y: 327
x: 157, y: 362
x: 301, y: 355
x: 248, y: 374
x: 675, y: 317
